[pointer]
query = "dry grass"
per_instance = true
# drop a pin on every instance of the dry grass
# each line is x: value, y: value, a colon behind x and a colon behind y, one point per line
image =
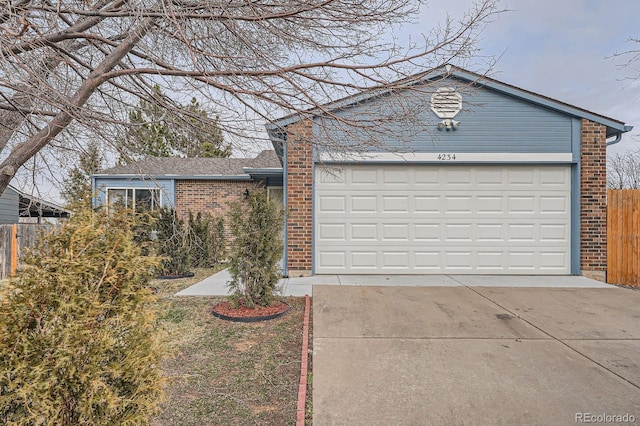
x: 225, y: 373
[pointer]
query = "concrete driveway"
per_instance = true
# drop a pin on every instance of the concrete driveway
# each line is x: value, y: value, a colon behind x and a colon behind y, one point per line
x: 462, y: 355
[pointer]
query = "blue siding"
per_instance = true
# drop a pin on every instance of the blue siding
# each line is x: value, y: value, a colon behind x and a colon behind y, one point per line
x: 490, y: 122
x: 167, y: 187
x: 9, y: 206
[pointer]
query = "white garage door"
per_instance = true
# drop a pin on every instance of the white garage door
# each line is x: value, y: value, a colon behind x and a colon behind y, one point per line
x: 431, y: 219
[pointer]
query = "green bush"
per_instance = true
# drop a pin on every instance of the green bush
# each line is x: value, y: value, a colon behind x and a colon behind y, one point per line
x: 143, y: 235
x: 197, y: 239
x: 171, y: 243
x: 256, y: 225
x: 79, y: 335
x: 217, y: 240
x: 206, y: 239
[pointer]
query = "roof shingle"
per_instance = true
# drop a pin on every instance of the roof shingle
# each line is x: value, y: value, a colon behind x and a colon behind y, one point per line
x: 176, y: 166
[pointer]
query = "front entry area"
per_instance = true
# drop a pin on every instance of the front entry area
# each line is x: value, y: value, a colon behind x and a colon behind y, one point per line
x: 442, y: 219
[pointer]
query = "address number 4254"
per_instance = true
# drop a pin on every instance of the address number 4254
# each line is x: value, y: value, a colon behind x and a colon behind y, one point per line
x: 446, y: 157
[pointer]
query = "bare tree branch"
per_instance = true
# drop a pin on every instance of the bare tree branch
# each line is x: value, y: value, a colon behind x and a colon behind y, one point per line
x: 72, y: 69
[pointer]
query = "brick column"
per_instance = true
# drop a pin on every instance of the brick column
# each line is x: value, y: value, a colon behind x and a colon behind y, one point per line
x: 593, y: 201
x: 299, y: 169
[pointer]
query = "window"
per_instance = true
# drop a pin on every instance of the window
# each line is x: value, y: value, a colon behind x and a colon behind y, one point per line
x: 276, y: 193
x: 140, y: 199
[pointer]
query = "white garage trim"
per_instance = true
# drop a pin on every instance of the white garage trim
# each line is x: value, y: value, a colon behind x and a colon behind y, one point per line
x: 434, y: 219
x: 448, y: 157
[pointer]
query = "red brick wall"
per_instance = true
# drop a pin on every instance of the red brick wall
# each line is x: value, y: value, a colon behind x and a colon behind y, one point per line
x: 299, y: 198
x: 593, y: 200
x: 212, y: 196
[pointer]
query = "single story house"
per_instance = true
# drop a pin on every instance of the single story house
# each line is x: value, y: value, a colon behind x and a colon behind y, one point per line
x: 486, y: 178
x: 448, y: 172
x: 19, y: 207
x: 187, y: 184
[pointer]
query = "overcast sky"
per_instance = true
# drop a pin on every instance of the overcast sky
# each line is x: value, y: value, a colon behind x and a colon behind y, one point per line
x: 562, y: 49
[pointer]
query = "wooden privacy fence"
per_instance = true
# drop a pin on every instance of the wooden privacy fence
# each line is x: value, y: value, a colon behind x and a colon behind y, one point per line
x: 623, y: 236
x: 14, y: 239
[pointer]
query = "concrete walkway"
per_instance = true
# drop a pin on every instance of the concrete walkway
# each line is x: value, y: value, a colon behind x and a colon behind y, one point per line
x: 501, y: 351
x: 216, y: 285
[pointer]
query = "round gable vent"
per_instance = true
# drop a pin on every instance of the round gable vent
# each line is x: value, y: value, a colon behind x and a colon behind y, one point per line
x: 446, y: 102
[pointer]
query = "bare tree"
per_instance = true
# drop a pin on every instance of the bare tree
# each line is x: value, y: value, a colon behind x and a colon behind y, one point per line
x: 623, y: 171
x: 74, y: 67
x: 630, y: 58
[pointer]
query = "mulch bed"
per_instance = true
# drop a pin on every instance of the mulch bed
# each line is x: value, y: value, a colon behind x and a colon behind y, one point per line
x: 225, y: 311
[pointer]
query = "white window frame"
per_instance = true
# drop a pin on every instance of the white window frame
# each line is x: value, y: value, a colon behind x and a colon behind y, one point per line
x: 133, y: 189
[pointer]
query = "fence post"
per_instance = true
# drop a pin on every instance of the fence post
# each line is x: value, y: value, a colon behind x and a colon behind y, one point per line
x: 14, y: 250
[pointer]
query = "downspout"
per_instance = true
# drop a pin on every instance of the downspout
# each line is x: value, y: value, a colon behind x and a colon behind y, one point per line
x: 285, y: 175
x: 94, y: 193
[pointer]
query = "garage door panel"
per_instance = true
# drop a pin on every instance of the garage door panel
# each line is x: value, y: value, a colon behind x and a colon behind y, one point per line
x: 332, y: 231
x: 396, y: 232
x: 521, y: 260
x: 554, y: 205
x: 554, y: 178
x: 459, y: 204
x: 553, y: 260
x: 399, y: 259
x: 456, y: 232
x: 362, y: 176
x: 363, y: 204
x: 519, y: 204
x: 363, y: 231
x: 424, y: 232
x: 490, y: 261
x: 456, y: 176
x: 365, y: 259
x: 489, y: 204
x: 332, y: 204
x: 443, y: 219
x: 521, y: 232
x: 554, y: 232
x: 395, y: 204
x: 427, y: 204
x: 331, y: 176
x: 426, y: 260
x: 519, y: 177
x: 332, y: 260
x: 453, y: 260
x: 488, y: 231
x: 395, y: 176
x: 458, y: 259
x: 426, y: 177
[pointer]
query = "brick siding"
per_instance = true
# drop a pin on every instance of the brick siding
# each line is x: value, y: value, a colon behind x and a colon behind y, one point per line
x: 212, y: 196
x: 593, y: 201
x: 299, y: 198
